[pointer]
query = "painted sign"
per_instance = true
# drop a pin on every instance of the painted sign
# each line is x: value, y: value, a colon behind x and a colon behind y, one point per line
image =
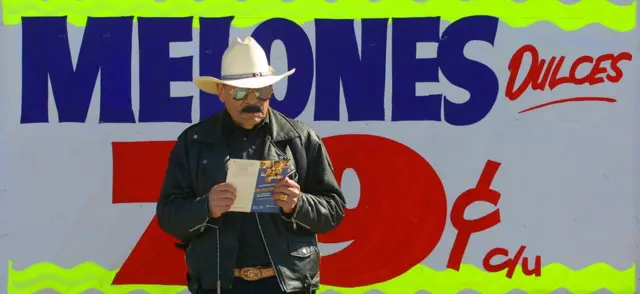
x: 481, y: 146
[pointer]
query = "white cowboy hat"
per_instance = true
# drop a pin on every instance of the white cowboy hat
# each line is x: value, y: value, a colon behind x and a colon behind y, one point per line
x: 244, y: 65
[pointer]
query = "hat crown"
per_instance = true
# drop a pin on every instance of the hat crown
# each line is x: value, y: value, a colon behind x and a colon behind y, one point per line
x: 244, y: 57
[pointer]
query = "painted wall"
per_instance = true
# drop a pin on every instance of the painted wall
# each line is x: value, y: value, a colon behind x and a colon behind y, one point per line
x: 530, y: 107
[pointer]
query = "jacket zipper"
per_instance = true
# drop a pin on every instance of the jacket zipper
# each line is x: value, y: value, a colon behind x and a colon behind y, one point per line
x: 281, y: 154
x: 275, y: 268
x: 202, y: 228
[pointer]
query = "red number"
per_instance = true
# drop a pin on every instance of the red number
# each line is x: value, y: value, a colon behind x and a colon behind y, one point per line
x: 400, y: 216
x: 138, y: 171
x: 402, y: 211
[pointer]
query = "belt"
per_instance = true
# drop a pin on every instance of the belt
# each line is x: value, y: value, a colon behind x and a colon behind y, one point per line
x: 254, y: 273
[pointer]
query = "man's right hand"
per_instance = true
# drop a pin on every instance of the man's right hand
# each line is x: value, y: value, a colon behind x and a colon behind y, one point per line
x: 221, y: 197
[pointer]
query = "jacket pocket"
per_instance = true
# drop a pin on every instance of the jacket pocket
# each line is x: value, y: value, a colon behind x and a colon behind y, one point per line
x: 201, y: 257
x: 302, y: 250
x: 306, y: 265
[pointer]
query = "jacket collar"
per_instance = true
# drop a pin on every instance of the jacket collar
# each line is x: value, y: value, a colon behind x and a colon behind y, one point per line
x: 211, y: 130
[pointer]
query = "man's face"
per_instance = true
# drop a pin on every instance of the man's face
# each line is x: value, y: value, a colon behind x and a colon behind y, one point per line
x: 247, y: 107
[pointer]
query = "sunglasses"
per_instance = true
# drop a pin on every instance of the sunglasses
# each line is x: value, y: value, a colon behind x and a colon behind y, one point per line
x: 262, y: 94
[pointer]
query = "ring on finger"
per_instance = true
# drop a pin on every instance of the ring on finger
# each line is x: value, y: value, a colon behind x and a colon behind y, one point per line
x: 283, y: 197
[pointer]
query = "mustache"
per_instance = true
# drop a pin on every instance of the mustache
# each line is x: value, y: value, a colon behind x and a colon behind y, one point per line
x: 252, y: 109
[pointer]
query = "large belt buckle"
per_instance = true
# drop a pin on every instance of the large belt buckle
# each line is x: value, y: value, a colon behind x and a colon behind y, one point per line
x: 251, y: 273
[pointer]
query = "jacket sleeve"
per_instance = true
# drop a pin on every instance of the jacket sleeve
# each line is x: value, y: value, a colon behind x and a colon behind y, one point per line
x: 321, y: 204
x: 180, y: 212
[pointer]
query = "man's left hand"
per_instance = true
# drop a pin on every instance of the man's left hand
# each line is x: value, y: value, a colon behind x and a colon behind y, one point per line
x: 286, y: 194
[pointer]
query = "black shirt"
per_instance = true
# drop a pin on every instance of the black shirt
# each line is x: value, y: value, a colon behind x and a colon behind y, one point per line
x: 247, y: 144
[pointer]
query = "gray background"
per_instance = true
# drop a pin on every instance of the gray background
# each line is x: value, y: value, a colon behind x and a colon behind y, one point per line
x: 563, y: 197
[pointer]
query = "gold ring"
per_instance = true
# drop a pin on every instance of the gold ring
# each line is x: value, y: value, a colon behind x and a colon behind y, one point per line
x: 283, y: 197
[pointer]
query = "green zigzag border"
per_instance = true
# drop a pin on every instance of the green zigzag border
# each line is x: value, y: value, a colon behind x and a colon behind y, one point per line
x: 251, y: 12
x: 89, y: 275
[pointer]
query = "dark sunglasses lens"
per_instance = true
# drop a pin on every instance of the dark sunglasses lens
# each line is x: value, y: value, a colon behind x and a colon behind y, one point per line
x: 264, y: 93
x: 239, y: 93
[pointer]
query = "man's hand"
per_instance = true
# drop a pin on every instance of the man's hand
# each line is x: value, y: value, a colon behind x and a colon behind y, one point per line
x: 221, y: 197
x: 286, y: 194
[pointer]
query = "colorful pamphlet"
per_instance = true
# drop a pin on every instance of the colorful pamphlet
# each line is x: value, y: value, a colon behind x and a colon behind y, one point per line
x: 255, y: 182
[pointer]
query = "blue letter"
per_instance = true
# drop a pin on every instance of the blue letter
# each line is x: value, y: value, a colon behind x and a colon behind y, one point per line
x: 299, y: 56
x: 106, y: 48
x: 363, y: 78
x: 158, y: 69
x: 407, y: 70
x: 478, y: 79
x: 214, y: 40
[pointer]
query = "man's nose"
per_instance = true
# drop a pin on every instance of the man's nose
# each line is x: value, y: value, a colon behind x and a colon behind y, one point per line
x: 251, y: 97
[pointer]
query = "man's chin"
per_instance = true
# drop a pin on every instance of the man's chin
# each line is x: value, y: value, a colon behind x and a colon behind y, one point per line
x: 251, y: 119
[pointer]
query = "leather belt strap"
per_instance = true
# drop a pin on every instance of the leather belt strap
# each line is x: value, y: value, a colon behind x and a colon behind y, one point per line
x: 254, y: 273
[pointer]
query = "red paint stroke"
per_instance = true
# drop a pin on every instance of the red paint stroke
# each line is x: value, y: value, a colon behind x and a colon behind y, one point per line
x: 511, y: 263
x: 138, y: 172
x: 543, y: 74
x: 574, y: 99
x: 395, y: 226
x: 482, y: 192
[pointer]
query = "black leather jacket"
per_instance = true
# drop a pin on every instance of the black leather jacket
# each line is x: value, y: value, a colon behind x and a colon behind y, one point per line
x: 198, y: 162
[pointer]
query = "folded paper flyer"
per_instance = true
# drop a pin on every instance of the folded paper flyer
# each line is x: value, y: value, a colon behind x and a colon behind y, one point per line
x: 255, y: 182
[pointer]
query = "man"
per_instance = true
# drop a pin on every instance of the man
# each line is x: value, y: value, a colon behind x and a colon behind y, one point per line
x: 234, y: 252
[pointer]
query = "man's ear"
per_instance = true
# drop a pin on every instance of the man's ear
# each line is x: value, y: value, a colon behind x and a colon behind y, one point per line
x: 220, y: 88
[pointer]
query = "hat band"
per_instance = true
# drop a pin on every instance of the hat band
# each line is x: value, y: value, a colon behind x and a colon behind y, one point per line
x: 245, y: 76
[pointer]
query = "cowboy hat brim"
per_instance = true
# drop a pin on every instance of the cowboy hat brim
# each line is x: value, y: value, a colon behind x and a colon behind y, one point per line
x: 209, y: 84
